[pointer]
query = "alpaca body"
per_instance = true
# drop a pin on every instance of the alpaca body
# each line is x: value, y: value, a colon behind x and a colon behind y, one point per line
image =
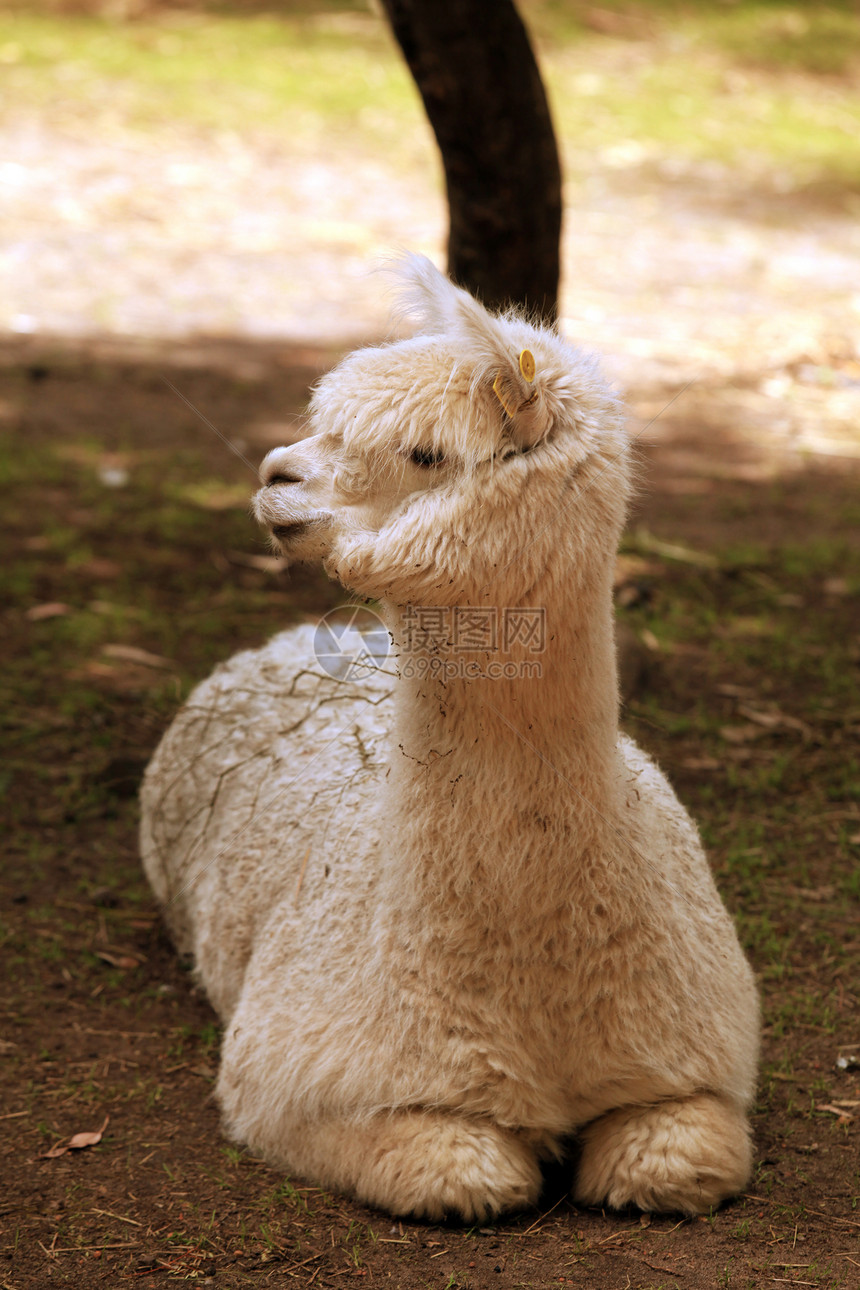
x: 449, y: 922
x: 343, y: 999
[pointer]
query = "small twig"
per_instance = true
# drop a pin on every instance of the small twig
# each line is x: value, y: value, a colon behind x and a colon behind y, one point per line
x: 543, y: 1216
x: 848, y: 1222
x: 303, y: 1263
x: 831, y: 1218
x: 616, y: 1236
x: 301, y: 877
x: 13, y: 1115
x: 72, y: 1249
x: 108, y: 1214
x: 208, y: 423
x: 657, y: 1268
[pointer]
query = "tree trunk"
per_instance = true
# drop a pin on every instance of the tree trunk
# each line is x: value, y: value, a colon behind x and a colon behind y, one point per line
x: 477, y: 74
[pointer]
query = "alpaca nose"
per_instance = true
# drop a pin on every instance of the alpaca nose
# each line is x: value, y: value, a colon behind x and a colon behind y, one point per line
x: 277, y: 470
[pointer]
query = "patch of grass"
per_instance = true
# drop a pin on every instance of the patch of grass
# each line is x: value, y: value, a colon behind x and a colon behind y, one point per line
x: 294, y: 74
x: 736, y: 85
x: 777, y: 35
x: 822, y: 39
x: 781, y: 772
x: 295, y: 1198
x: 747, y: 85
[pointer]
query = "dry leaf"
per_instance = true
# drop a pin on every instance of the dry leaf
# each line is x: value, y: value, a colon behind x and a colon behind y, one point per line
x: 118, y: 960
x: 54, y: 609
x: 790, y: 601
x: 130, y: 654
x: 99, y: 567
x: 827, y: 892
x: 76, y: 1142
x: 112, y: 607
x: 843, y: 1115
x: 674, y: 551
x: 770, y: 720
x: 774, y: 719
x: 746, y: 625
x: 629, y: 594
x: 741, y: 734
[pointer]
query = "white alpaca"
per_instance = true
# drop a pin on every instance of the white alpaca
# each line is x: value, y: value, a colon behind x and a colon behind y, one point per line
x: 448, y: 919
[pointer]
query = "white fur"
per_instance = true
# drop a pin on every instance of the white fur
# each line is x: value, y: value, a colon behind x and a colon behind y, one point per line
x: 449, y: 922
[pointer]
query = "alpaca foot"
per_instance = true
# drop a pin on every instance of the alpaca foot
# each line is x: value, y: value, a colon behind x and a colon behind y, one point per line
x: 429, y: 1165
x: 685, y: 1156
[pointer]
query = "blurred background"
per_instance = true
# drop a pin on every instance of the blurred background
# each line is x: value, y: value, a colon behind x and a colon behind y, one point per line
x: 178, y: 170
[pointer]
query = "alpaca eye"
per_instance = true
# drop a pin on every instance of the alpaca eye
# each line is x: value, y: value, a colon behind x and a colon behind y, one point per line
x: 427, y: 457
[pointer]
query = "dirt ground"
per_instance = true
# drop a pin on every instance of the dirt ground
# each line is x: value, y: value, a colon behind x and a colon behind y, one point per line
x: 739, y: 581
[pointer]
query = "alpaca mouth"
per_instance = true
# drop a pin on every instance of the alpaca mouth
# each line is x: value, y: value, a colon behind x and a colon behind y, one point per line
x: 288, y: 532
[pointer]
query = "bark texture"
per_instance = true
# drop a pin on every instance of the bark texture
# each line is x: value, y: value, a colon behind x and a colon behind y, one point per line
x: 477, y: 74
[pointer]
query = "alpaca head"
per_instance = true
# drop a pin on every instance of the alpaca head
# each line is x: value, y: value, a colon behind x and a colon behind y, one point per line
x: 472, y: 464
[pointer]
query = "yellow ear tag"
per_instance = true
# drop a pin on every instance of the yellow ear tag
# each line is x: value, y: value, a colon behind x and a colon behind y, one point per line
x: 527, y: 365
x: 504, y: 396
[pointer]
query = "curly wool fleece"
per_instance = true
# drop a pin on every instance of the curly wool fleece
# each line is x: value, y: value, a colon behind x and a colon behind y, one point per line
x: 450, y: 918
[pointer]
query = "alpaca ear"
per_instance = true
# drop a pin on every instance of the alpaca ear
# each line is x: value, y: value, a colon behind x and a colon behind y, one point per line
x: 442, y: 309
x: 519, y: 388
x: 431, y: 300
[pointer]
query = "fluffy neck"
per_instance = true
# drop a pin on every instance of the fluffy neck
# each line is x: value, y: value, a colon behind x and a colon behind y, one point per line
x: 503, y: 751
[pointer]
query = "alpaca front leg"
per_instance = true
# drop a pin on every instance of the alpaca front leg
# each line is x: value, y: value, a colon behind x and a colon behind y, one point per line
x: 685, y: 1156
x: 425, y: 1164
